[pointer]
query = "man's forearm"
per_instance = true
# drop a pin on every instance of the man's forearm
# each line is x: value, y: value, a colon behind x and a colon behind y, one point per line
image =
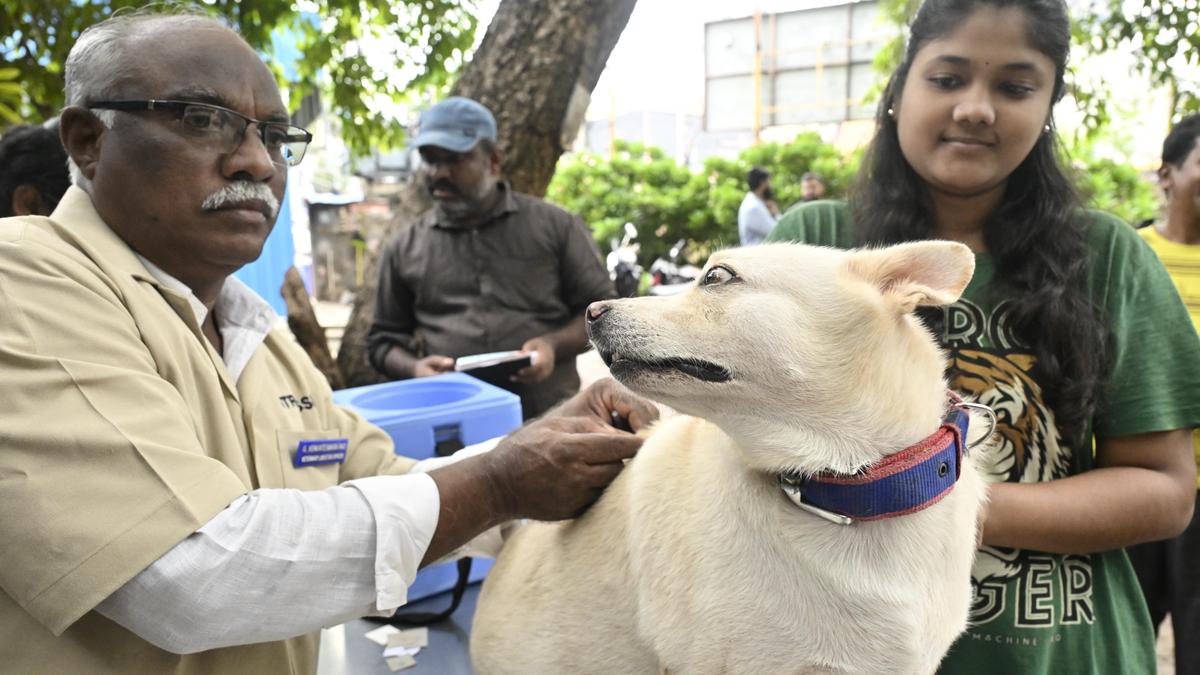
x: 237, y: 580
x: 399, y: 364
x: 472, y: 500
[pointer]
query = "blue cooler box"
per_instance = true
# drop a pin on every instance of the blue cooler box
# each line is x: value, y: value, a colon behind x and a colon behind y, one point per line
x: 421, y: 413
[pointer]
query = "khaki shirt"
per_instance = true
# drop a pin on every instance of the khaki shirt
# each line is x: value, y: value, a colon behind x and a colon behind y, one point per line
x: 122, y: 433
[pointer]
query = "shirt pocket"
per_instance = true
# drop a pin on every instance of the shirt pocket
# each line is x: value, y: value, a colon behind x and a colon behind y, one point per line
x: 313, y: 476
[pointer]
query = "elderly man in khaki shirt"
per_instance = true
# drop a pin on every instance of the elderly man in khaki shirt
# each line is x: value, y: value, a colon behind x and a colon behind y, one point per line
x: 147, y: 436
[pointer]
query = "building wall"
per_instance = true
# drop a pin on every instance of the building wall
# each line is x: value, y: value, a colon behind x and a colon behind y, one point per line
x: 814, y: 66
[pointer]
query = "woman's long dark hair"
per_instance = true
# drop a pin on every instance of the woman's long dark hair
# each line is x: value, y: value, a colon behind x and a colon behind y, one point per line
x: 1038, y: 235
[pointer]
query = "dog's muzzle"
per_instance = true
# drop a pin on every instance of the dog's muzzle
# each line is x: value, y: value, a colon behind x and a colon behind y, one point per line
x: 622, y: 363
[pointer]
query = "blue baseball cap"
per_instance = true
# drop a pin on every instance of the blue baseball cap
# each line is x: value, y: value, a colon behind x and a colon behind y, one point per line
x: 456, y: 124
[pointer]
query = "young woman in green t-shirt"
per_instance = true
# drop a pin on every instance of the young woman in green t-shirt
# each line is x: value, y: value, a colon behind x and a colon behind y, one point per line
x: 1070, y: 330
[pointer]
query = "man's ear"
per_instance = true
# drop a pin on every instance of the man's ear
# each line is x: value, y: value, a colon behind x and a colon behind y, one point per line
x: 27, y: 201
x: 916, y: 274
x: 496, y: 159
x: 1164, y: 177
x: 82, y: 135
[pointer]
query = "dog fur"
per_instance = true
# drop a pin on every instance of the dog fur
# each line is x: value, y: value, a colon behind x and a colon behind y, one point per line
x: 694, y: 561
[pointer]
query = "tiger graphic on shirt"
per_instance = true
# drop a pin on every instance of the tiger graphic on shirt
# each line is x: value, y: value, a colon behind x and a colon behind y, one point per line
x: 992, y: 367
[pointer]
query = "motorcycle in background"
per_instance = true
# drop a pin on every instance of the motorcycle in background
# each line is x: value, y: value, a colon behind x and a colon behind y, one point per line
x: 622, y: 263
x: 672, y: 275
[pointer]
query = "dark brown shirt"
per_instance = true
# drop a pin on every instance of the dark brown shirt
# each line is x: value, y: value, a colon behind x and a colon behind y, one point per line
x: 526, y: 270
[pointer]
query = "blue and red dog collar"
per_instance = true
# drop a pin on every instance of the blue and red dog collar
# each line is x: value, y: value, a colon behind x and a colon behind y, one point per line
x: 905, y: 482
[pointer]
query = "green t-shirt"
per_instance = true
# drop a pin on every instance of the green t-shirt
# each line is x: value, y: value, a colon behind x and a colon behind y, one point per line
x: 1036, y: 612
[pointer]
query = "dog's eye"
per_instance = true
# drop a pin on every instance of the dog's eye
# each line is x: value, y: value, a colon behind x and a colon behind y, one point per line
x: 717, y: 275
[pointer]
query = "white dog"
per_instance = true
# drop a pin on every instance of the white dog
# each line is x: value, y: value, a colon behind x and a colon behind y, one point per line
x: 789, y: 362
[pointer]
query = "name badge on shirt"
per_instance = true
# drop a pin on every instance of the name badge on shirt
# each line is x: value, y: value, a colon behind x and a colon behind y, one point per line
x: 328, y: 451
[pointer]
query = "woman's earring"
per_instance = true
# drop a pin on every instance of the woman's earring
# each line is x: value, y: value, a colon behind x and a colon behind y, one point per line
x: 891, y: 112
x: 1046, y: 129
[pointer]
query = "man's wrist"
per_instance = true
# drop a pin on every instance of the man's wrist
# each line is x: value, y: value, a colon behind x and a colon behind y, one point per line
x: 498, y: 492
x: 399, y: 364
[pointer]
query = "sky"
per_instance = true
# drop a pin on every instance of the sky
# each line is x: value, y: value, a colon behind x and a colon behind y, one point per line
x: 658, y: 64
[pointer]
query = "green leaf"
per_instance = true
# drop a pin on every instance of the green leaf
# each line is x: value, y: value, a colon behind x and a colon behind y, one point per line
x: 668, y: 202
x: 431, y: 36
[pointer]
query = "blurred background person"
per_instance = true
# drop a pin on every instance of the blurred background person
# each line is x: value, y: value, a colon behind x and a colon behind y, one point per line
x: 812, y: 187
x: 33, y: 170
x: 758, y: 212
x: 1169, y: 571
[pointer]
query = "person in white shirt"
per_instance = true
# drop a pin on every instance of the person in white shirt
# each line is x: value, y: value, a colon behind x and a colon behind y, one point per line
x: 758, y: 212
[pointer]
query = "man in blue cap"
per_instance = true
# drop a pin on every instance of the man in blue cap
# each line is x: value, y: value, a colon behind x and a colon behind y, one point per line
x: 486, y: 269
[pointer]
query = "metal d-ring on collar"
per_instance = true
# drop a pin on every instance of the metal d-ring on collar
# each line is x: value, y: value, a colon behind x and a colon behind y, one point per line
x: 987, y: 412
x: 791, y: 488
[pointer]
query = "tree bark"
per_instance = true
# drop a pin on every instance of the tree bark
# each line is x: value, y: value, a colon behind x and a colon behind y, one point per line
x: 535, y: 70
x: 352, y: 355
x: 303, y: 322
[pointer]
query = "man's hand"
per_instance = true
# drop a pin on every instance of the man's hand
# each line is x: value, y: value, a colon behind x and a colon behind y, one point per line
x: 554, y: 468
x: 550, y: 469
x: 543, y: 361
x: 611, y: 403
x: 435, y: 364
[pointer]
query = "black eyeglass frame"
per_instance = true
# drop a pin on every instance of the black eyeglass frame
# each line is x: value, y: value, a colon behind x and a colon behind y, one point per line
x: 179, y: 106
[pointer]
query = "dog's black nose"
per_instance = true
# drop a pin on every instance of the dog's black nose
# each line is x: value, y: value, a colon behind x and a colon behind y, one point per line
x: 597, y: 310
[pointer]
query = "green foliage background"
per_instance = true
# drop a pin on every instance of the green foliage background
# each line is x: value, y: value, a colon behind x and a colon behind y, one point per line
x: 429, y: 38
x: 1111, y: 186
x: 639, y: 184
x: 668, y: 202
x: 1165, y: 36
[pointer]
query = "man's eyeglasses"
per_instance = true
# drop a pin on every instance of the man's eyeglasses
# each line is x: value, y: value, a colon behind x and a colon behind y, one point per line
x: 222, y: 129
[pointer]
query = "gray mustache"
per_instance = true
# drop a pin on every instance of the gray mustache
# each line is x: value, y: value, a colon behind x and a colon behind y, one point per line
x: 239, y: 192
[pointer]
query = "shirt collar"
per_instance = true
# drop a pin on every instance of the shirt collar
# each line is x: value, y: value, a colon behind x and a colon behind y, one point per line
x: 243, y: 317
x: 167, y: 281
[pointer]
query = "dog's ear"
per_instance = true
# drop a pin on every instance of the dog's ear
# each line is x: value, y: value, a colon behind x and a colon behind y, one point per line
x: 916, y: 274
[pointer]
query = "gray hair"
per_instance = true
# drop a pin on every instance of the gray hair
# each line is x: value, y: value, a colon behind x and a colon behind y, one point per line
x: 97, y: 65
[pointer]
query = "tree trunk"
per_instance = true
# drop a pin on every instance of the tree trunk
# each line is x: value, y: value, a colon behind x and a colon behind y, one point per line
x: 303, y: 322
x: 352, y: 355
x: 535, y: 70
